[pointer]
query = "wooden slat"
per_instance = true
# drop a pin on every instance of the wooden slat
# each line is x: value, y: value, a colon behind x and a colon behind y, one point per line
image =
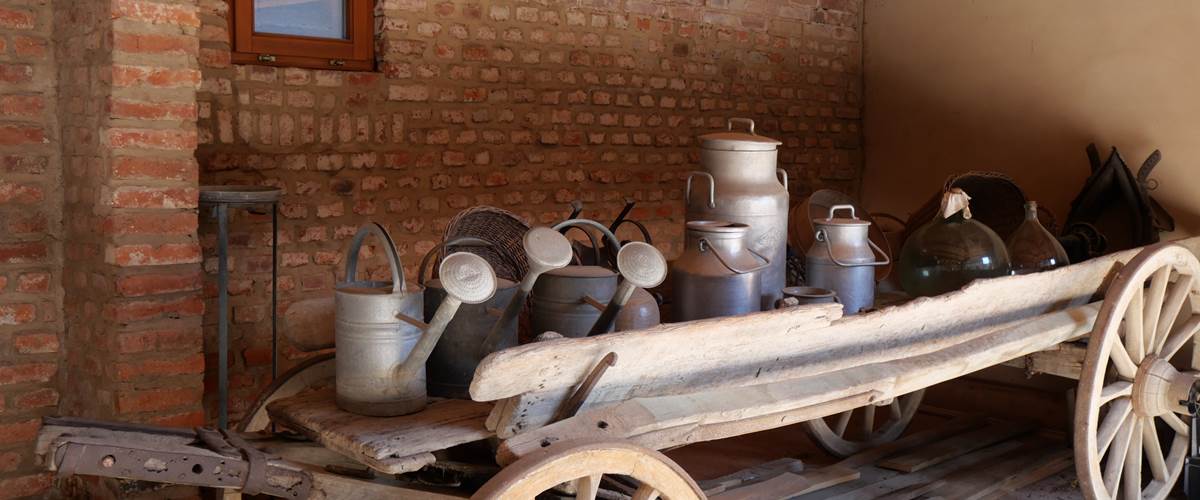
x: 1005, y: 475
x: 959, y: 445
x: 901, y: 482
x: 664, y: 421
x: 1063, y: 360
x: 788, y: 484
x: 388, y: 444
x: 754, y: 474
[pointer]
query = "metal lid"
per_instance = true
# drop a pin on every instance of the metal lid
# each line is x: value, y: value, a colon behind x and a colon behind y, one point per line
x: 830, y: 220
x: 729, y: 140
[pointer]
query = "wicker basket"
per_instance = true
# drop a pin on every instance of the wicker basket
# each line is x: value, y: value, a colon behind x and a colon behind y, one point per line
x: 503, y: 229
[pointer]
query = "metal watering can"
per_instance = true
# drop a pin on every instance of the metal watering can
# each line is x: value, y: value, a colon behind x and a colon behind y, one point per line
x: 453, y: 362
x: 381, y: 346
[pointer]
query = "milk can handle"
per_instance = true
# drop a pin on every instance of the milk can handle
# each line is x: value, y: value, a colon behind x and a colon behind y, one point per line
x: 766, y: 262
x: 729, y: 124
x: 842, y: 207
x: 823, y: 236
x: 463, y: 241
x: 782, y: 174
x: 389, y: 247
x: 712, y: 189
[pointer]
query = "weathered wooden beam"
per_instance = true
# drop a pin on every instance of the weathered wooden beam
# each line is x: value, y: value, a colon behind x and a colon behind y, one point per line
x: 1063, y: 360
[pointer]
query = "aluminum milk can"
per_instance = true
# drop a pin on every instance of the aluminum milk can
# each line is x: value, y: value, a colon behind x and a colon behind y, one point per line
x: 717, y: 275
x: 371, y: 339
x: 843, y: 259
x: 568, y: 300
x: 453, y: 361
x: 741, y: 182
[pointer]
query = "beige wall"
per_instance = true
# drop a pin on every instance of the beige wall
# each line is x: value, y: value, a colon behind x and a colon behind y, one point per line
x: 1021, y: 86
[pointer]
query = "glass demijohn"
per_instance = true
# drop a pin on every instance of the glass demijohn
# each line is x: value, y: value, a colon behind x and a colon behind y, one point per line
x: 951, y: 250
x: 1032, y: 248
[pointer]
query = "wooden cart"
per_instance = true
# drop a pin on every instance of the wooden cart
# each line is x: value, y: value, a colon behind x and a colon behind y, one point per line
x: 689, y: 382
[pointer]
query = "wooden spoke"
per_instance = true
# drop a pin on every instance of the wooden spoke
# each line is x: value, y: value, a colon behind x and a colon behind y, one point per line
x: 894, y: 409
x: 843, y: 421
x: 868, y: 421
x: 1154, y: 301
x: 1118, y: 413
x: 1179, y: 337
x: 1120, y: 358
x: 1153, y: 451
x: 1115, y: 465
x: 1115, y: 390
x: 1131, y: 485
x: 587, y: 487
x: 1175, y: 422
x: 1173, y: 304
x: 645, y: 492
x: 1135, y: 341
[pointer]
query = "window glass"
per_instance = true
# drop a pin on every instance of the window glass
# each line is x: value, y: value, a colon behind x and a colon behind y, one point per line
x: 315, y: 18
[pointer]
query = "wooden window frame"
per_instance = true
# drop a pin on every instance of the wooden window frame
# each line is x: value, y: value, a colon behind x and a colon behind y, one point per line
x: 355, y: 54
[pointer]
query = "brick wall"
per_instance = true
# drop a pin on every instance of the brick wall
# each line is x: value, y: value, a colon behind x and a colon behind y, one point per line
x: 521, y: 105
x: 30, y: 234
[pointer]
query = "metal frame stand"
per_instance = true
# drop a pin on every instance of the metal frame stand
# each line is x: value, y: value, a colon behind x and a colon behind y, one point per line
x: 221, y: 198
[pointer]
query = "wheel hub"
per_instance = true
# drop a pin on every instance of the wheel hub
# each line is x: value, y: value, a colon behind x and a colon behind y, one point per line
x: 1159, y: 388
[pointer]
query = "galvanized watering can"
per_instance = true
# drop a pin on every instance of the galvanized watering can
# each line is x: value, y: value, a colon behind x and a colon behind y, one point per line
x: 381, y: 346
x: 456, y: 356
x: 843, y: 260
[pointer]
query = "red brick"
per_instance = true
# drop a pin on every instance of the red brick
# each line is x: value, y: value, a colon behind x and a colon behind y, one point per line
x: 169, y: 139
x: 12, y: 192
x: 19, y: 432
x: 160, y: 340
x: 33, y: 372
x: 141, y: 110
x: 140, y: 310
x: 16, y: 73
x: 26, y: 223
x: 131, y: 167
x: 9, y: 461
x: 187, y: 419
x: 16, y: 135
x: 17, y: 19
x: 23, y: 106
x: 156, y: 13
x: 17, y: 314
x: 134, y: 76
x: 22, y: 253
x: 154, y: 197
x: 39, y: 398
x: 135, y: 401
x: 154, y: 284
x: 25, y: 486
x: 30, y: 47
x: 129, y: 371
x: 33, y: 283
x: 3, y: 283
x: 149, y: 255
x: 152, y: 223
x: 172, y: 45
x: 35, y: 343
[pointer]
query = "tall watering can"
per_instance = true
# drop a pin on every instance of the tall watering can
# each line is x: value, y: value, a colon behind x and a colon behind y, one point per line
x: 381, y: 345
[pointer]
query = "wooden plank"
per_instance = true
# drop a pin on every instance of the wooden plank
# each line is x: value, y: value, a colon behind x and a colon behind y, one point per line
x: 916, y: 439
x: 665, y: 421
x: 769, y: 346
x: 388, y: 444
x: 1064, y: 360
x: 901, y: 482
x: 1049, y: 466
x: 788, y: 484
x: 1007, y: 472
x: 754, y: 474
x: 961, y: 444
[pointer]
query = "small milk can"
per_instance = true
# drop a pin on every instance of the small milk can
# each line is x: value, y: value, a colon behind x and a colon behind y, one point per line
x: 568, y: 300
x: 453, y: 362
x: 744, y: 184
x: 717, y: 275
x: 842, y: 259
x: 370, y: 337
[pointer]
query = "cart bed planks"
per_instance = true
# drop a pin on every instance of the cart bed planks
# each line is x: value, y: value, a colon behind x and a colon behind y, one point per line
x: 775, y: 346
x: 391, y: 445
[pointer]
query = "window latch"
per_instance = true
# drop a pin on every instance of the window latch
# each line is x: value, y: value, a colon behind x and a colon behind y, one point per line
x: 267, y: 58
x: 337, y: 62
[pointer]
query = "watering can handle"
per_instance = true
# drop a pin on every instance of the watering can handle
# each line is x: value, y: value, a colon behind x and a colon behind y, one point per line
x: 608, y: 235
x: 766, y: 262
x: 640, y: 227
x: 375, y: 228
x: 591, y: 239
x: 823, y: 236
x: 464, y: 241
x: 712, y: 189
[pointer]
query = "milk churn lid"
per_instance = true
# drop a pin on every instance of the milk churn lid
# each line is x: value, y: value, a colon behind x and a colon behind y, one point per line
x: 730, y: 140
x: 853, y: 220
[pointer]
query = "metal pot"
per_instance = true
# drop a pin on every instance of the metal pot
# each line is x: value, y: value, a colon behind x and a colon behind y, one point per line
x: 640, y: 313
x: 842, y: 259
x: 717, y: 275
x: 452, y: 363
x: 569, y: 300
x: 745, y: 185
x: 804, y: 295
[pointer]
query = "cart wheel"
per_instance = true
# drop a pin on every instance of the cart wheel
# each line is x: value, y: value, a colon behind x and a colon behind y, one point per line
x: 585, y: 462
x: 314, y: 371
x: 843, y: 439
x: 1132, y: 382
